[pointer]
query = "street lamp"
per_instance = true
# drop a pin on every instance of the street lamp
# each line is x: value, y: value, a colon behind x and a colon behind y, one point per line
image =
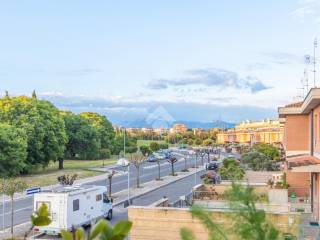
x: 195, y: 168
x: 125, y: 163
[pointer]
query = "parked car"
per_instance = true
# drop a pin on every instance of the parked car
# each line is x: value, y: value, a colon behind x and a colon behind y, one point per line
x: 152, y: 158
x: 212, y: 166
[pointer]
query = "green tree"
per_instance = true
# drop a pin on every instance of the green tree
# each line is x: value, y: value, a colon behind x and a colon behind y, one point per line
x: 43, y: 125
x: 83, y: 138
x: 103, y: 126
x: 207, y: 142
x: 268, y: 150
x: 154, y: 146
x: 145, y: 150
x: 231, y: 170
x: 13, y: 150
x: 198, y: 141
x: 131, y: 144
x: 163, y: 145
x: 246, y: 221
x: 190, y: 141
x: 10, y: 187
x: 34, y: 95
x: 258, y: 161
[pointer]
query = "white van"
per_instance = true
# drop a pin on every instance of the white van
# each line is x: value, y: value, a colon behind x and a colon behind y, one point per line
x: 73, y: 206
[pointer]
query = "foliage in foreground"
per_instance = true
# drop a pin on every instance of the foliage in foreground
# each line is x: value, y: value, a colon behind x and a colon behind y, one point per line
x: 247, y: 222
x: 102, y: 231
x: 39, y: 218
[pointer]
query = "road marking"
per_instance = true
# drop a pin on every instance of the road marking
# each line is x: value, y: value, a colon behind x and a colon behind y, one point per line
x: 16, y: 210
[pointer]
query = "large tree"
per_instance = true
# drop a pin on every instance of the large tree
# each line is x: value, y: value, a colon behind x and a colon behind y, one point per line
x: 104, y: 128
x: 83, y: 138
x: 154, y: 146
x: 268, y: 150
x: 42, y: 123
x: 13, y: 150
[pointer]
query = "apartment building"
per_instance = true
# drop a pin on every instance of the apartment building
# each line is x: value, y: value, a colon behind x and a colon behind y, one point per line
x: 179, y: 128
x: 250, y: 132
x: 302, y: 147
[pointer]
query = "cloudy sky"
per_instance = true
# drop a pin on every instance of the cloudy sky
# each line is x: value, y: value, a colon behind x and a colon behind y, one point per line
x: 200, y: 60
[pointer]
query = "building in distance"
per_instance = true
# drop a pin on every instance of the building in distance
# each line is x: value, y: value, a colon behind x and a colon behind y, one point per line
x: 250, y: 132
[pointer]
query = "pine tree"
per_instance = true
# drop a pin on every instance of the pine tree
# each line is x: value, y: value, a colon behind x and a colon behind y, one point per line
x: 34, y: 95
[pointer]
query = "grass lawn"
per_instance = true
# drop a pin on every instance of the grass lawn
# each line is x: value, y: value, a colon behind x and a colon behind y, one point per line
x: 48, y: 175
x: 147, y: 142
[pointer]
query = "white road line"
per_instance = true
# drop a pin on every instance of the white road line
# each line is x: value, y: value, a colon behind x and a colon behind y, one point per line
x: 17, y: 210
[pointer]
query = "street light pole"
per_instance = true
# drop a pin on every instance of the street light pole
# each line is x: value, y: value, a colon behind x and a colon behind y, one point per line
x: 195, y: 167
x: 3, y: 211
x: 128, y: 164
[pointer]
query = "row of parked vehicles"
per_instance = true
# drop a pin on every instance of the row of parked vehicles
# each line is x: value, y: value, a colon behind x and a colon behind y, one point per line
x: 160, y: 155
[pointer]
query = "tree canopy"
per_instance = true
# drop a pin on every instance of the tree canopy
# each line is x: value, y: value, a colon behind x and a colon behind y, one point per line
x: 103, y: 126
x: 231, y: 170
x: 268, y: 150
x: 13, y: 150
x: 83, y: 138
x: 43, y: 125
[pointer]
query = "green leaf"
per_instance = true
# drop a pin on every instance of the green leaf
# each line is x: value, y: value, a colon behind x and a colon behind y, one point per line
x: 80, y: 234
x: 101, y: 226
x: 41, y: 217
x: 122, y: 228
x: 66, y: 235
x: 186, y: 234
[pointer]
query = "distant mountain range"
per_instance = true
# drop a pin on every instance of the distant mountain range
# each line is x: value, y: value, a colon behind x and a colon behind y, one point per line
x: 141, y: 123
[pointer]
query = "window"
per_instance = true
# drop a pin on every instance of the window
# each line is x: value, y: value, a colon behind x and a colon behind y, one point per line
x: 76, y: 205
x: 98, y: 197
x: 105, y: 198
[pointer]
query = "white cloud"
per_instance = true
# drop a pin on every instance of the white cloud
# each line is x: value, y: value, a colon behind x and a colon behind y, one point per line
x: 307, y: 9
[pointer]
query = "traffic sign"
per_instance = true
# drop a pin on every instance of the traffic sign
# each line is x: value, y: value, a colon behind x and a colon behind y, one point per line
x: 33, y: 190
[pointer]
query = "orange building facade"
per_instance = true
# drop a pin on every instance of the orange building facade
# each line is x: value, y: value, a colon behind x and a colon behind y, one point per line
x: 302, y: 147
x: 267, y: 131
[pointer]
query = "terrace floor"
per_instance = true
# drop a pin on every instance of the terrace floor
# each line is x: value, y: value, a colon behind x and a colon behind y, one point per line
x: 307, y: 231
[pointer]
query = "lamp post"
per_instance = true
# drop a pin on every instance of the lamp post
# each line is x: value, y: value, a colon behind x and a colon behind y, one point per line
x: 3, y: 212
x: 195, y: 167
x: 127, y: 164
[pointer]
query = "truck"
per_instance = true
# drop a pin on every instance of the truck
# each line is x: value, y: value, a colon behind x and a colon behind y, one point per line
x: 71, y: 207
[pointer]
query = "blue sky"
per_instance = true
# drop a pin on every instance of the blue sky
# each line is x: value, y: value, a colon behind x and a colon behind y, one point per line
x: 126, y: 58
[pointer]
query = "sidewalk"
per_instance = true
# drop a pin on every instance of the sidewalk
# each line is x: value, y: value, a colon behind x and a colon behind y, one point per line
x: 121, y: 196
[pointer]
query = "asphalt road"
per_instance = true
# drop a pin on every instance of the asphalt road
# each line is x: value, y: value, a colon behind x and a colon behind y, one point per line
x: 173, y: 191
x: 149, y: 171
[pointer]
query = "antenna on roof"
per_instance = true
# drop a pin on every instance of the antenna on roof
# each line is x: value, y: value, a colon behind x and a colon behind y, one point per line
x: 315, y: 44
x: 306, y: 79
